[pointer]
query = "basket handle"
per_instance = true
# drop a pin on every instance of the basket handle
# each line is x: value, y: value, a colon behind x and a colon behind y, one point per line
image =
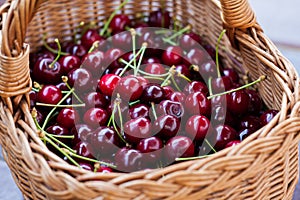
x: 238, y: 15
x: 14, y: 56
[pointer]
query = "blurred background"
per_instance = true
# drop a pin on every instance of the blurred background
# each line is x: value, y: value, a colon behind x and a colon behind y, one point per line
x: 280, y: 21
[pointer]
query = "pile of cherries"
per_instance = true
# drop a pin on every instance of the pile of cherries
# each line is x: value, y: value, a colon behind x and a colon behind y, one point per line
x: 130, y: 97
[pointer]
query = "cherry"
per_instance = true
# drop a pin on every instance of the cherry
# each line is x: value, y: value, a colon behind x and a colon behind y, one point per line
x: 67, y: 118
x: 155, y: 43
x: 179, y: 147
x: 122, y: 40
x: 104, y: 170
x: 95, y: 117
x: 80, y: 79
x: 195, y: 56
x: 223, y: 134
x: 49, y: 94
x: 85, y: 165
x: 250, y: 122
x: 255, y: 104
x: 130, y: 88
x: 197, y: 127
x: 81, y: 132
x: 153, y: 93
x: 196, y: 86
x: 244, y: 133
x: 137, y: 129
x: 184, y: 70
x: 232, y: 74
x: 221, y: 115
x: 108, y: 84
x: 119, y: 23
x: 139, y: 110
x: 90, y: 37
x: 267, y: 116
x: 95, y: 99
x: 172, y: 55
x: 76, y: 49
x: 69, y: 62
x: 197, y: 103
x: 129, y: 160
x: 190, y: 40
x: 178, y: 96
x: 160, y: 18
x: 166, y: 126
x: 210, y: 50
x: 171, y: 108
x: 154, y: 68
x: 59, y: 131
x: 37, y: 56
x: 47, y: 72
x: 82, y: 149
x: 93, y: 62
x: 104, y: 142
x: 238, y: 102
x: 151, y: 60
x: 221, y: 84
x: 112, y: 57
x: 168, y: 91
x: 208, y: 69
x: 32, y: 96
x: 62, y: 86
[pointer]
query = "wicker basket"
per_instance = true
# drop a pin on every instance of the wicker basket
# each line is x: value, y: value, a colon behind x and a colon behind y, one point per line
x: 264, y: 166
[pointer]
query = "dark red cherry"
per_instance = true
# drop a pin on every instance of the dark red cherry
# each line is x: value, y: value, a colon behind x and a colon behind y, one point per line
x: 178, y: 96
x: 139, y: 110
x: 168, y: 91
x: 76, y: 49
x: 172, y: 55
x: 95, y: 99
x: 32, y: 97
x: 119, y: 23
x: 220, y: 115
x: 246, y: 132
x: 95, y: 117
x: 197, y: 103
x: 221, y: 84
x: 159, y: 18
x: 255, y: 104
x: 108, y: 84
x: 112, y: 57
x: 137, y: 129
x: 155, y: 44
x: 196, y: 86
x: 130, y: 88
x: 85, y: 165
x: 267, y: 116
x: 171, y: 108
x: 82, y: 149
x: 93, y: 62
x: 68, y: 63
x: 150, y: 60
x: 104, y: 170
x: 250, y: 121
x: 129, y: 160
x: 62, y: 86
x: 210, y: 50
x: 49, y: 94
x: 153, y: 93
x: 90, y: 37
x: 190, y: 40
x: 223, y: 134
x: 179, y: 147
x: 197, y: 127
x: 232, y: 74
x: 80, y: 79
x: 81, y: 132
x: 166, y: 126
x: 208, y: 69
x: 155, y: 68
x: 47, y: 72
x: 196, y: 56
x: 122, y: 41
x: 59, y: 131
x: 238, y: 102
x: 67, y: 118
x: 150, y: 144
x: 104, y: 142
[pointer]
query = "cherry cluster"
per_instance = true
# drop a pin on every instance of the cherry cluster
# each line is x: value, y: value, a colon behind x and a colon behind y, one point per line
x: 131, y: 97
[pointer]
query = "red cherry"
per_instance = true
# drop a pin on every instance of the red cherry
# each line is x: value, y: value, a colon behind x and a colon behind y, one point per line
x: 166, y: 126
x: 232, y: 143
x: 49, y: 94
x: 153, y: 93
x: 155, y: 68
x: 190, y: 40
x: 67, y: 118
x: 197, y: 127
x: 93, y: 62
x: 267, y: 116
x: 129, y: 160
x: 238, y: 102
x: 96, y: 99
x: 76, y: 49
x: 160, y: 18
x: 108, y: 84
x: 44, y: 71
x: 172, y: 55
x: 196, y: 86
x: 137, y: 129
x: 69, y: 62
x: 224, y: 134
x: 130, y: 88
x: 80, y: 79
x: 90, y: 37
x: 197, y: 103
x: 119, y: 23
x: 179, y: 147
x: 81, y: 132
x: 95, y: 117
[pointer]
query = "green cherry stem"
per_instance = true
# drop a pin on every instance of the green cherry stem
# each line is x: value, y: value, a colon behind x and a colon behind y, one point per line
x: 94, y: 46
x: 58, y: 53
x: 209, y: 86
x: 141, y: 58
x: 191, y: 158
x: 261, y: 78
x: 65, y: 80
x: 210, y: 146
x: 175, y: 83
x: 217, y: 52
x: 180, y: 32
x: 60, y: 106
x: 120, y: 114
x: 133, y: 35
x: 107, y: 23
x: 171, y: 73
x: 51, y: 49
x: 153, y: 110
x: 134, y: 102
x: 62, y: 136
x: 112, y: 119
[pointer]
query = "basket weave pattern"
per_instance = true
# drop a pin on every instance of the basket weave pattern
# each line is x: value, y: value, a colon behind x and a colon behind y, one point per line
x: 264, y: 166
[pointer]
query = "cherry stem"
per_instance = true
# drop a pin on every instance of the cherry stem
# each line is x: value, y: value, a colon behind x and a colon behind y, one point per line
x: 112, y: 120
x: 155, y: 78
x: 107, y: 23
x: 261, y: 78
x: 94, y: 46
x: 140, y: 60
x: 54, y: 108
x: 171, y: 73
x: 134, y: 102
x: 191, y: 158
x: 65, y: 80
x: 217, y: 52
x: 133, y: 34
x: 208, y: 143
x: 184, y: 77
x: 175, y: 83
x: 120, y: 113
x: 62, y: 136
x: 60, y: 106
x: 88, y: 159
x: 58, y: 53
x: 209, y: 86
x: 51, y: 49
x: 180, y: 32
x: 153, y: 110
